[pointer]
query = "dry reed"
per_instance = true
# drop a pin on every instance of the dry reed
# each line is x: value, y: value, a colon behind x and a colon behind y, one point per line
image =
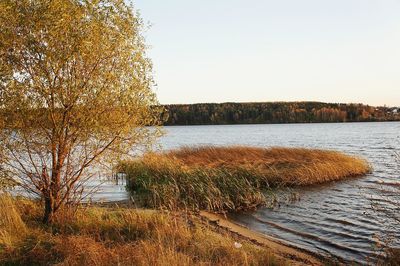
x: 231, y: 178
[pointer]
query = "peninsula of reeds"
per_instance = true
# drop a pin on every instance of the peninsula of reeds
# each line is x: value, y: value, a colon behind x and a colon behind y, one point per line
x: 221, y: 179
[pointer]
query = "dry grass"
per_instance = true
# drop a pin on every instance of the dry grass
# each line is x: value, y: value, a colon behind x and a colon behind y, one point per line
x: 116, y: 236
x: 392, y: 257
x: 231, y: 178
x: 12, y: 228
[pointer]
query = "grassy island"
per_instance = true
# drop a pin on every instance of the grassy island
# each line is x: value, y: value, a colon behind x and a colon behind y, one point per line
x: 237, y: 178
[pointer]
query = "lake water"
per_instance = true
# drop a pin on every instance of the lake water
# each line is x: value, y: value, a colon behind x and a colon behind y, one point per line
x: 342, y: 219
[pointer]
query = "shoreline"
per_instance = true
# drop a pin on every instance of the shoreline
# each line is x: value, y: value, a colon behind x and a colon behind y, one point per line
x: 291, y: 254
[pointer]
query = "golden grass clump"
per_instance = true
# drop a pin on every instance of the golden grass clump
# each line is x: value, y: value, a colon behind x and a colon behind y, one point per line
x: 231, y: 178
x: 291, y: 166
x: 11, y: 225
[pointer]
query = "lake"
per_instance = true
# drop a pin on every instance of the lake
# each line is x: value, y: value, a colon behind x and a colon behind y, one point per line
x: 349, y: 219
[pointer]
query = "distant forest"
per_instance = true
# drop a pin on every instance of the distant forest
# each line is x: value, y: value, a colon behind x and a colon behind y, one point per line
x: 275, y: 112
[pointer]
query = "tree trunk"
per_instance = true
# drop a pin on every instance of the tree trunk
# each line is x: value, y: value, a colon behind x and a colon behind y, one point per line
x: 48, y: 210
x: 52, y: 197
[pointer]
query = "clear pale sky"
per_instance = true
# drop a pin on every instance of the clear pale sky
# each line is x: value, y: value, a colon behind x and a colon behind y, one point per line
x: 286, y: 50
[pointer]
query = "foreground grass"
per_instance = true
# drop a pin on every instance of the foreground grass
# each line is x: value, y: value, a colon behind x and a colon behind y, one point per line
x: 116, y: 236
x: 231, y: 178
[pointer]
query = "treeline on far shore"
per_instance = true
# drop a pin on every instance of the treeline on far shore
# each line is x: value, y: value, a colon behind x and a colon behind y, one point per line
x: 275, y: 112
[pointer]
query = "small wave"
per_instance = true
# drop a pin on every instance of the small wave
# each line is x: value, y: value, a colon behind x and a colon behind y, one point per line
x: 384, y: 183
x: 340, y: 221
x: 333, y: 227
x: 316, y: 238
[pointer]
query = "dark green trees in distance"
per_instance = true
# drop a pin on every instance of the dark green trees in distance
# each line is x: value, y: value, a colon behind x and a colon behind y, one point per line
x: 274, y: 112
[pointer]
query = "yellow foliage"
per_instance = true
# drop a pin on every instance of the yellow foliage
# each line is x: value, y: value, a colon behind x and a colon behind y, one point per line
x: 76, y: 90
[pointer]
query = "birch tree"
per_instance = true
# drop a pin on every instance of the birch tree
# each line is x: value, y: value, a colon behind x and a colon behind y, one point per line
x: 75, y: 90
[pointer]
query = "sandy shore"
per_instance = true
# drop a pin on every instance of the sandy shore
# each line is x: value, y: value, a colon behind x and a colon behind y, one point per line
x: 291, y: 255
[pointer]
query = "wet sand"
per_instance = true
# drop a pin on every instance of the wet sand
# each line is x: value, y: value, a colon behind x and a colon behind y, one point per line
x: 292, y: 255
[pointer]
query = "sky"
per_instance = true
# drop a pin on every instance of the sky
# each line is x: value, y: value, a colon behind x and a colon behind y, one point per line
x: 344, y: 51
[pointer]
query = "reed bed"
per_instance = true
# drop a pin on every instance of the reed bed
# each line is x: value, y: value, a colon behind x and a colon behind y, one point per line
x: 122, y: 236
x: 235, y: 178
